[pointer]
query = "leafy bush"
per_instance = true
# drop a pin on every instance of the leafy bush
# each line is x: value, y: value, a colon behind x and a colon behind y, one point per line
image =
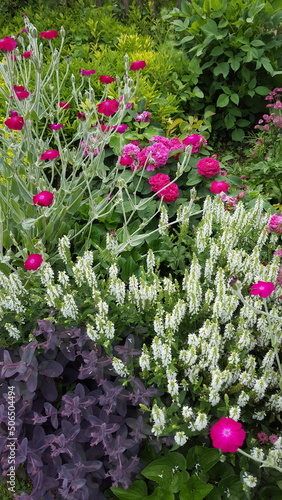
x: 236, y: 53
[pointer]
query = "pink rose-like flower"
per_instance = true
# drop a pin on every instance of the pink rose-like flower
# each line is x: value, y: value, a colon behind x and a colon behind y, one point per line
x: 87, y: 72
x: 262, y: 288
x: 27, y: 54
x: 137, y: 65
x: 227, y: 435
x: 50, y: 154
x: 14, y: 123
x: 56, y: 126
x: 108, y: 107
x: 196, y: 141
x: 159, y: 181
x: 121, y: 128
x: 262, y: 437
x: 208, y: 167
x: 275, y: 223
x: 169, y: 193
x: 8, y: 43
x: 219, y: 187
x: 33, y: 262
x: 49, y: 34
x: 106, y: 79
x: 44, y: 199
x: 64, y: 105
x: 144, y: 117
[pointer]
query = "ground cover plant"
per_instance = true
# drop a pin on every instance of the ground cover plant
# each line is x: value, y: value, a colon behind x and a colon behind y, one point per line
x: 140, y: 287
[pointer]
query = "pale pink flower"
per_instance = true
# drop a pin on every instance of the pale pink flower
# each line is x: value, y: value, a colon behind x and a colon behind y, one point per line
x: 273, y: 438
x: 275, y: 223
x: 262, y: 437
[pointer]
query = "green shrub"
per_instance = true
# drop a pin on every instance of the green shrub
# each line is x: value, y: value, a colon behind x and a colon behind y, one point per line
x: 235, y: 48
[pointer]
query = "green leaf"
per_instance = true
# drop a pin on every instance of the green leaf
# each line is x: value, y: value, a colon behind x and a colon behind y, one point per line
x: 267, y: 66
x: 229, y: 121
x: 195, y: 489
x: 234, y: 98
x: 137, y: 491
x: 222, y: 100
x: 243, y: 123
x: 169, y: 472
x: 262, y: 90
x: 197, y: 92
x: 235, y: 64
x: 221, y: 68
x: 194, y: 179
x: 28, y: 223
x: 160, y: 494
x: 205, y: 457
x: 257, y: 43
x: 217, y: 51
x: 238, y: 134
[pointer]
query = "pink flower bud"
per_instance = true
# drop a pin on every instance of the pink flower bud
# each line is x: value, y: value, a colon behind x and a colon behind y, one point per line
x: 56, y: 126
x: 87, y: 72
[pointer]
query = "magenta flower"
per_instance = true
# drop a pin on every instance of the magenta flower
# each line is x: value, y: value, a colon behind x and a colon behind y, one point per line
x: 227, y: 435
x: 159, y: 181
x: 126, y: 160
x: 22, y: 94
x: 275, y: 223
x: 49, y: 34
x: 50, y: 154
x: 169, y: 193
x: 87, y: 72
x: 108, y: 107
x: 208, y: 167
x: 64, y: 105
x: 262, y: 288
x: 8, y: 44
x: 143, y: 117
x: 33, y: 262
x: 106, y: 79
x: 27, y: 54
x: 219, y: 186
x: 24, y: 30
x: 14, y: 123
x: 121, y: 128
x: 196, y: 141
x: 137, y: 65
x: 44, y: 199
x: 81, y: 116
x: 56, y: 126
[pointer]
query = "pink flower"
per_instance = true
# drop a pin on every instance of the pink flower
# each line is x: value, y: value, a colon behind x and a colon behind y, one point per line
x: 24, y: 30
x: 49, y: 34
x: 227, y: 435
x: 273, y: 438
x: 108, y: 107
x: 196, y: 141
x: 137, y: 65
x: 27, y: 54
x: 56, y: 126
x: 158, y: 154
x: 50, y: 154
x: 33, y: 262
x: 262, y: 437
x: 106, y: 79
x: 159, y: 181
x: 121, y: 128
x: 126, y: 160
x: 14, y: 123
x: 8, y: 44
x: 275, y: 223
x: 64, y: 105
x: 169, y: 193
x: 87, y: 72
x: 44, y: 199
x: 219, y: 186
x: 81, y: 116
x: 208, y: 167
x: 278, y: 252
x: 262, y: 288
x: 143, y: 117
x: 131, y: 149
x: 22, y: 94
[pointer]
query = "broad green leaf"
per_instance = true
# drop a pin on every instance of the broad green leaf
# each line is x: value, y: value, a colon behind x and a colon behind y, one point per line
x: 137, y: 491
x: 229, y: 121
x: 221, y: 68
x: 205, y: 457
x: 160, y: 494
x: 167, y: 471
x: 222, y: 100
x: 235, y: 64
x: 257, y: 43
x: 234, y: 98
x: 195, y: 489
x: 197, y: 92
x: 238, y: 134
x: 267, y: 66
x: 243, y: 123
x: 262, y: 90
x: 217, y: 51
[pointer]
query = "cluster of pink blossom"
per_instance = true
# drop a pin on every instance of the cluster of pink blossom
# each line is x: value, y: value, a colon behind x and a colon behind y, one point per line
x: 20, y: 92
x: 231, y: 201
x: 264, y: 438
x: 160, y: 184
x: 275, y: 224
x: 143, y: 117
x: 273, y: 118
